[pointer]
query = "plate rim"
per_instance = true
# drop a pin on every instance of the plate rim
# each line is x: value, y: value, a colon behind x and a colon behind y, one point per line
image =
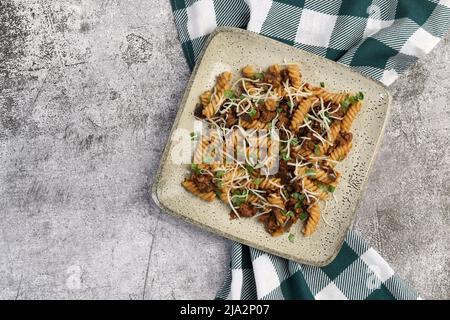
x: 154, y: 188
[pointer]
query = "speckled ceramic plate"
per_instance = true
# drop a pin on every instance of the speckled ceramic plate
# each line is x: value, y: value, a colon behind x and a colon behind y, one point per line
x: 231, y: 49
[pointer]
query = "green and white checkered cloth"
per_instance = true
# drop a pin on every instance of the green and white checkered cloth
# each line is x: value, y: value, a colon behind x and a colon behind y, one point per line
x: 380, y: 38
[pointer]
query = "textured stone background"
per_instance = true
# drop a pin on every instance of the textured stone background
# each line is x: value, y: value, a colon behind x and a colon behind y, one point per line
x: 88, y: 92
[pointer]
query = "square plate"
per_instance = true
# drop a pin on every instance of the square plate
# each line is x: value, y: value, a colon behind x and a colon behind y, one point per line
x: 231, y: 49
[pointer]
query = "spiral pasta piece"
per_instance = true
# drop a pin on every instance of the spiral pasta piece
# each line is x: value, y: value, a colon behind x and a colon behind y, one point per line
x: 274, y: 69
x: 298, y: 117
x: 270, y: 104
x: 313, y: 220
x: 279, y: 91
x: 323, y: 176
x: 251, y: 198
x: 192, y: 188
x: 249, y: 87
x: 255, y: 124
x: 294, y: 75
x: 223, y: 83
x: 310, y: 186
x: 200, y: 150
x: 336, y: 98
x: 276, y: 200
x: 350, y: 116
x: 266, y: 184
x: 335, y: 128
x: 205, y: 98
x: 339, y: 153
x: 248, y: 71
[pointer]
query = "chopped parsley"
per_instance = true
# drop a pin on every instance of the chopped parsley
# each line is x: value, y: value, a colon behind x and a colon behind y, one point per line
x: 322, y: 84
x: 294, y: 141
x: 289, y: 104
x: 316, y: 150
x: 352, y: 99
x: 291, y: 237
x: 285, y: 156
x: 298, y: 205
x: 310, y: 172
x: 303, y: 216
x: 229, y: 94
x: 193, y: 136
x: 258, y: 181
x: 249, y: 168
x: 238, y: 198
x: 331, y: 188
x: 279, y: 110
x: 258, y: 75
x: 220, y: 173
x: 360, y: 96
x: 252, y: 112
x: 287, y: 213
x: 195, y: 168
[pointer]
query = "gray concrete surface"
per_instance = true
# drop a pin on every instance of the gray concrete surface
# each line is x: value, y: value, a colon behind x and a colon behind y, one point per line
x: 88, y: 91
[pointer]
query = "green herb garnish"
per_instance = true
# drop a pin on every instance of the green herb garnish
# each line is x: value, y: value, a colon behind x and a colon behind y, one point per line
x: 287, y: 213
x: 285, y: 156
x: 290, y: 105
x: 331, y: 188
x: 316, y: 150
x: 352, y: 99
x: 220, y: 173
x: 258, y: 181
x: 360, y: 96
x: 291, y: 237
x: 310, y: 172
x: 279, y: 110
x: 252, y: 112
x: 242, y: 97
x: 298, y: 205
x: 258, y: 75
x: 303, y: 216
x: 322, y: 84
x: 229, y: 94
x: 299, y: 196
x: 193, y: 136
x: 238, y: 200
x: 294, y: 142
x: 195, y: 168
x: 249, y: 168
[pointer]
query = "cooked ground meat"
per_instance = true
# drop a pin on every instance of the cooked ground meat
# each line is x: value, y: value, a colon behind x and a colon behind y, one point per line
x: 283, y: 120
x: 204, y: 182
x: 270, y: 224
x: 280, y: 218
x: 344, y: 137
x: 246, y: 210
x: 198, y: 110
x: 231, y: 119
x: 246, y: 117
x: 291, y: 203
x: 270, y: 78
x: 284, y: 75
x: 284, y: 107
x: 267, y: 116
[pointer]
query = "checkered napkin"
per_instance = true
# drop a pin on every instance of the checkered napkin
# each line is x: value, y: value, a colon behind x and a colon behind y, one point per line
x: 380, y: 38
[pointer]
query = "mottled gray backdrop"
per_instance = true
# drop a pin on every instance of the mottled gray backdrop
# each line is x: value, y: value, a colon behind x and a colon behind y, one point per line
x: 88, y: 93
